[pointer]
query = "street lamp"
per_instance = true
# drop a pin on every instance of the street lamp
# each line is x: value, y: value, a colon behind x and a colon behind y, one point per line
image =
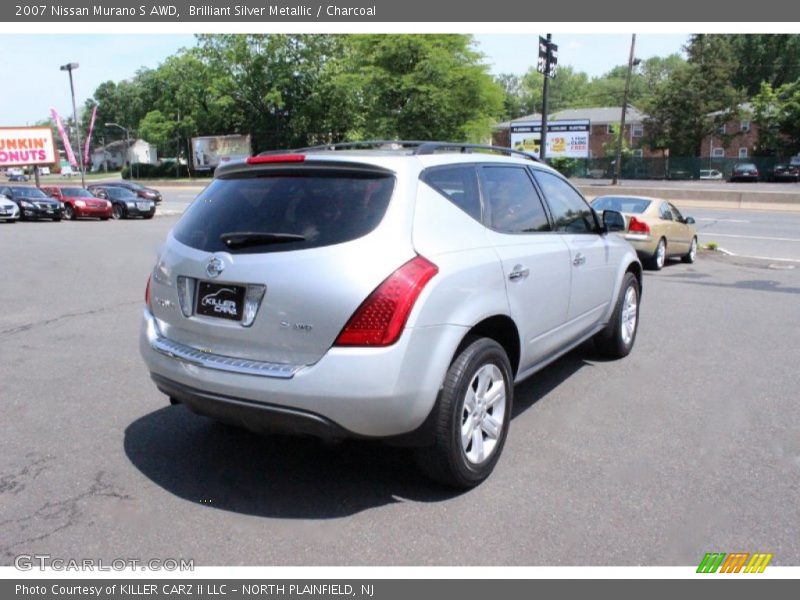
x: 69, y: 67
x: 127, y: 143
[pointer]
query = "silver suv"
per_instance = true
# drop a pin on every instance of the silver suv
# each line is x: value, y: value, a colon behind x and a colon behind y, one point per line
x: 394, y: 291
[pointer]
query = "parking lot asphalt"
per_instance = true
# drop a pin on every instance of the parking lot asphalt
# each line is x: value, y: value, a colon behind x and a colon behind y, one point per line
x: 689, y: 445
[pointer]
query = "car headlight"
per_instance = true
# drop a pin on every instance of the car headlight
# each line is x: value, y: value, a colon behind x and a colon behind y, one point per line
x: 80, y: 203
x: 108, y: 204
x: 130, y: 204
x: 25, y: 204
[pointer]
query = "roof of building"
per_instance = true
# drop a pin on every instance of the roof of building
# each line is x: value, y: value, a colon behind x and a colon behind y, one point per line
x: 744, y: 108
x: 599, y: 115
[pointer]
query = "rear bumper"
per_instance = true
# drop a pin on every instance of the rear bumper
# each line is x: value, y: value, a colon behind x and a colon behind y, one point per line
x: 645, y: 245
x: 361, y: 392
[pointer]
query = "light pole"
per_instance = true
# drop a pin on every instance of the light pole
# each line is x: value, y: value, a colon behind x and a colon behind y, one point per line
x: 69, y: 67
x: 127, y: 144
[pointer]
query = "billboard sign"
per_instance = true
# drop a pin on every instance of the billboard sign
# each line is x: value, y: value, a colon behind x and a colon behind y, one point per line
x: 209, y: 151
x: 569, y: 139
x: 21, y: 146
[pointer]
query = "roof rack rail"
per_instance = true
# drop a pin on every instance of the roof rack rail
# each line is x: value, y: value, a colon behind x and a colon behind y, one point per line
x: 418, y: 148
x: 432, y: 147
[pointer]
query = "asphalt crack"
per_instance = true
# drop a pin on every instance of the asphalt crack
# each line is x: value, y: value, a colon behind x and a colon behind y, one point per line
x: 45, y: 322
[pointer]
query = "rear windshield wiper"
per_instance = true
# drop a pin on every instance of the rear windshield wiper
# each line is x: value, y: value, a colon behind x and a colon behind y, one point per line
x: 242, y: 239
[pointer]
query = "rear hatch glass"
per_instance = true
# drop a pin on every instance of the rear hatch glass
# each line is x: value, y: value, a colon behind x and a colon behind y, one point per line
x: 277, y: 212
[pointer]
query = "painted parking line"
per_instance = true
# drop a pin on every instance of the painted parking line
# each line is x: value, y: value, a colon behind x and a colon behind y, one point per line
x: 749, y: 237
x: 722, y: 220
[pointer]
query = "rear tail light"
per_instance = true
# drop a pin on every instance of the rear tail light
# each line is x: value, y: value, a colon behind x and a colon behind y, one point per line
x: 276, y: 158
x: 380, y: 319
x: 147, y: 292
x: 637, y: 226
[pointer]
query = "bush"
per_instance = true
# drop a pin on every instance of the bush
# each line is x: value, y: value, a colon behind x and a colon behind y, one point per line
x: 165, y: 170
x: 566, y: 166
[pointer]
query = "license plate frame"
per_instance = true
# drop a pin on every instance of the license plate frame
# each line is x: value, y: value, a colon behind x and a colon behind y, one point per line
x: 220, y: 300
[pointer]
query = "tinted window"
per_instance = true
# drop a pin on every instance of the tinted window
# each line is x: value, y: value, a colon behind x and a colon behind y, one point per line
x: 511, y: 201
x: 621, y: 204
x: 459, y: 185
x: 676, y: 214
x: 29, y: 192
x: 570, y: 211
x: 664, y: 212
x: 323, y: 208
x: 120, y: 193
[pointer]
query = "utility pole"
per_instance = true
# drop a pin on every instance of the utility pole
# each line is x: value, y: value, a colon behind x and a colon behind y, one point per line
x: 544, y: 67
x: 69, y: 67
x: 618, y: 163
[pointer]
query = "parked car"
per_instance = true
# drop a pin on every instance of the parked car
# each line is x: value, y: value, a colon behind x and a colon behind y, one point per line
x: 744, y: 172
x: 138, y: 189
x: 392, y: 292
x: 786, y: 173
x: 9, y: 211
x: 654, y: 227
x: 33, y: 203
x: 124, y: 204
x: 17, y: 177
x: 710, y: 174
x: 79, y: 202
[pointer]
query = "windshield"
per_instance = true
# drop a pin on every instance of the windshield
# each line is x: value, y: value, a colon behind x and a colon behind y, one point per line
x: 76, y: 193
x: 621, y: 204
x: 119, y: 193
x: 28, y: 192
x: 279, y: 212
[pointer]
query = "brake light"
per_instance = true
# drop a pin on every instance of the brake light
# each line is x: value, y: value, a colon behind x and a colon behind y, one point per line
x: 147, y: 292
x: 380, y: 319
x: 276, y: 158
x: 637, y: 226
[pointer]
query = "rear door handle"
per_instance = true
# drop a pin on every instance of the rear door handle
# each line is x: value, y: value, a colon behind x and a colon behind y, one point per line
x: 518, y: 273
x: 579, y: 259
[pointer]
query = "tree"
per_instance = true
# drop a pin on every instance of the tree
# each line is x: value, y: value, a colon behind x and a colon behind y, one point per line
x: 777, y: 114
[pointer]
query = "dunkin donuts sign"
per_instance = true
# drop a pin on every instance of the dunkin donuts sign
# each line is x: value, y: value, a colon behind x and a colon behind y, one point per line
x: 27, y: 146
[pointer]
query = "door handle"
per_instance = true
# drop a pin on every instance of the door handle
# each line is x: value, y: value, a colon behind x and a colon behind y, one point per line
x: 579, y: 259
x: 518, y: 273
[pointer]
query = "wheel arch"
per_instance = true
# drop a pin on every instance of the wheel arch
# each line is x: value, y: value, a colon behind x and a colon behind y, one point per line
x: 501, y: 329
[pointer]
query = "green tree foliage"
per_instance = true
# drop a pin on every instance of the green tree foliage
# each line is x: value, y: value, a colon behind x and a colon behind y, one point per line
x: 764, y: 58
x: 777, y: 113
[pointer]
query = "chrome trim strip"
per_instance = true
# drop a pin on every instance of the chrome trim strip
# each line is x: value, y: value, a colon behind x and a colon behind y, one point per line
x: 217, y: 362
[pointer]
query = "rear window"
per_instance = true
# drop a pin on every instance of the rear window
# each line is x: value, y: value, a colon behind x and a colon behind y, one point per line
x: 626, y: 205
x: 292, y: 211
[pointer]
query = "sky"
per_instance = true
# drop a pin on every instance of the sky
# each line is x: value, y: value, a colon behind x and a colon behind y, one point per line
x: 34, y: 63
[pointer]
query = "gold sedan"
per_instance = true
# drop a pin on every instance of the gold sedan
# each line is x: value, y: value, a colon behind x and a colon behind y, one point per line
x: 654, y: 227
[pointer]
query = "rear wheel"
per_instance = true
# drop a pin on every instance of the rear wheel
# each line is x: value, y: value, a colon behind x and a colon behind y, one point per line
x: 473, y: 413
x: 117, y: 212
x: 691, y: 256
x: 656, y: 261
x: 616, y: 340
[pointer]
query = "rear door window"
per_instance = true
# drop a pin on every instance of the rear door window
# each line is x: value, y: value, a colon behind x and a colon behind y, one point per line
x: 459, y: 184
x: 274, y: 212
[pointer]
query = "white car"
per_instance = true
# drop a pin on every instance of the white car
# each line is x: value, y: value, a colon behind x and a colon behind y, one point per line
x: 710, y: 174
x: 9, y: 211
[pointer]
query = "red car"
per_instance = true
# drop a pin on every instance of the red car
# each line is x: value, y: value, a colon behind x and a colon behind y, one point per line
x: 79, y: 202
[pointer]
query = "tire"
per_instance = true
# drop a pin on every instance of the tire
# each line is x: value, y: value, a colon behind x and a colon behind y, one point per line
x: 117, y: 212
x: 691, y: 256
x: 104, y: 218
x: 477, y: 397
x: 69, y: 213
x: 616, y: 340
x: 656, y: 262
x: 56, y: 219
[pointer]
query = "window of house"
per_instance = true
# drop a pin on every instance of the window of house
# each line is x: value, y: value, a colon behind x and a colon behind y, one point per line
x: 742, y: 152
x: 637, y: 130
x: 611, y: 128
x: 745, y: 126
x: 718, y: 152
x: 723, y: 129
x: 638, y: 153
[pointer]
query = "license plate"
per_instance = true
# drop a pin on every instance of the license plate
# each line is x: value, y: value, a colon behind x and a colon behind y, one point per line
x: 220, y: 300
x: 143, y: 205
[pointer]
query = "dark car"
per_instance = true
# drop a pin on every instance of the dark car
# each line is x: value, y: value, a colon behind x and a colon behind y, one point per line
x: 744, y: 172
x: 138, y: 189
x: 786, y: 173
x: 124, y: 203
x: 79, y: 202
x: 33, y: 203
x: 18, y: 177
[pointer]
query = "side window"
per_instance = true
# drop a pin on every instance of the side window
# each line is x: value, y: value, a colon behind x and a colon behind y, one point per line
x: 459, y: 185
x: 570, y: 211
x: 664, y: 212
x: 676, y: 214
x: 511, y: 201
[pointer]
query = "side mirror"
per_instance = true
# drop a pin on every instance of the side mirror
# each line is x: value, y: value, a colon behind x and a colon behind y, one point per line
x: 689, y: 221
x: 613, y: 221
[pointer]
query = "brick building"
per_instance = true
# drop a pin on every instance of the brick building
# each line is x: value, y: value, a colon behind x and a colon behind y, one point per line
x: 737, y: 138
x: 603, y: 121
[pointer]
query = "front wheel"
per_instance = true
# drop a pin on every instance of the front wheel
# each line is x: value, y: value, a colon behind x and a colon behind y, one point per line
x: 616, y: 340
x: 691, y: 256
x: 117, y: 212
x: 473, y: 414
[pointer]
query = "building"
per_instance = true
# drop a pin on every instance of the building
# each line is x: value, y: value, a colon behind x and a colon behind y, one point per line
x: 603, y: 121
x: 736, y: 138
x: 112, y: 156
